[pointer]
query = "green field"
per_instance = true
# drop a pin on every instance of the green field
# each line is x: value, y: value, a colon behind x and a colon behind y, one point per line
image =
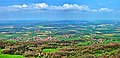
x: 49, y: 50
x: 9, y: 56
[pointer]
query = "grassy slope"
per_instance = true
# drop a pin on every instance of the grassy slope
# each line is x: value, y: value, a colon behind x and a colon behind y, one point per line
x: 9, y: 56
x: 49, y: 50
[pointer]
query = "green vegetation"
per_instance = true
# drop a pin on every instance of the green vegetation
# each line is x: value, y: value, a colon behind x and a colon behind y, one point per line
x: 82, y: 39
x: 85, y: 43
x: 9, y: 56
x: 50, y: 50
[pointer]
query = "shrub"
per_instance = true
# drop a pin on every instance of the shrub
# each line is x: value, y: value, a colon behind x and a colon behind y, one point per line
x: 18, y: 52
x: 29, y: 53
x: 8, y: 51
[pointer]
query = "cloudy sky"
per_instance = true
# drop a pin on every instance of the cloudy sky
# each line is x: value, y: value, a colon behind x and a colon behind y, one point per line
x: 59, y: 10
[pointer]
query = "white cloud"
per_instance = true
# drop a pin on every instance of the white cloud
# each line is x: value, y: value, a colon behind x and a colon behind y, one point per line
x: 19, y: 6
x: 104, y: 9
x: 42, y: 6
x: 101, y: 10
x: 70, y: 7
x: 39, y: 5
x: 30, y: 6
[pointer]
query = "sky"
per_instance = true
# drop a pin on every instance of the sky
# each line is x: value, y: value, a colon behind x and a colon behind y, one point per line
x: 59, y: 10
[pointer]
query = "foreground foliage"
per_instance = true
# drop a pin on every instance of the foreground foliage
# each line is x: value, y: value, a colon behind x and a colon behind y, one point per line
x: 60, y: 49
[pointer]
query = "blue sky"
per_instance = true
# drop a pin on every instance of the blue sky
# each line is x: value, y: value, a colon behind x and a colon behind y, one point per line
x: 59, y: 10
